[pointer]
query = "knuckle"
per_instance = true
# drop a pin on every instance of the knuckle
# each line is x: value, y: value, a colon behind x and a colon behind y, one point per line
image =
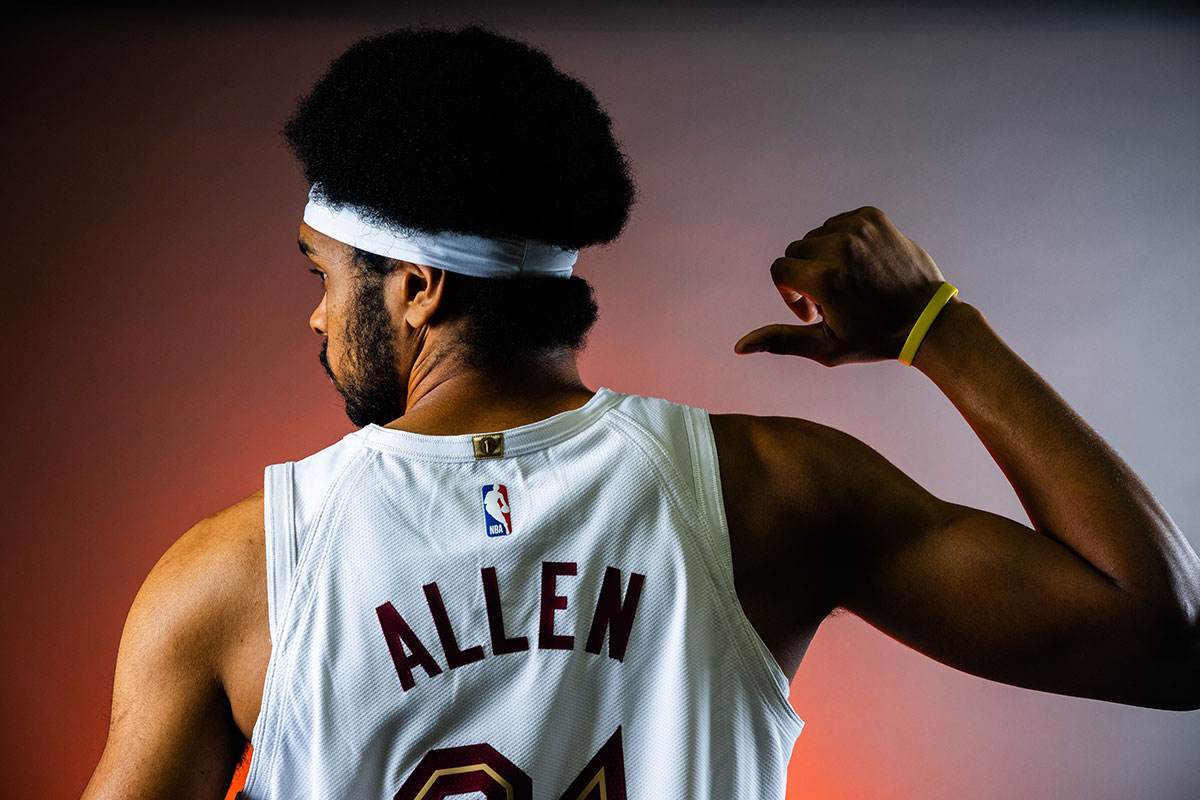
x: 844, y: 243
x: 837, y: 280
x: 857, y: 247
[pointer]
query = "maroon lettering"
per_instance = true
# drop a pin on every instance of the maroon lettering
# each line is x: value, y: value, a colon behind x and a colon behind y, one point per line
x: 454, y: 656
x: 501, y: 644
x: 603, y: 778
x: 547, y: 639
x: 614, y: 616
x: 471, y: 768
x: 451, y: 771
x: 397, y: 634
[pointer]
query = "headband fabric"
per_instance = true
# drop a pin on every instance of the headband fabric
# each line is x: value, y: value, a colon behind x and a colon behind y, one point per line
x: 481, y: 256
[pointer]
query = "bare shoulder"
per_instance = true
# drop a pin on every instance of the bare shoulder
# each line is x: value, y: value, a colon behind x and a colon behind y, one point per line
x: 209, y: 568
x: 217, y: 572
x: 776, y: 478
x: 234, y: 527
x: 813, y: 469
x: 776, y: 441
x: 802, y: 500
x: 174, y: 729
x: 233, y: 536
x: 209, y: 592
x: 782, y: 466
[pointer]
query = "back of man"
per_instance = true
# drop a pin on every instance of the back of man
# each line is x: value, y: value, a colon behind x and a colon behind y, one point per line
x: 547, y: 605
x: 505, y: 582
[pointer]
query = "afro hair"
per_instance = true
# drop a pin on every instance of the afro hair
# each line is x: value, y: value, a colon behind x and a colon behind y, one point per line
x: 469, y: 131
x: 466, y: 131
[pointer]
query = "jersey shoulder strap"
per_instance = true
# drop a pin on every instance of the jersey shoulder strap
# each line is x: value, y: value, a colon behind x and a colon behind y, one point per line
x: 684, y: 436
x: 294, y: 498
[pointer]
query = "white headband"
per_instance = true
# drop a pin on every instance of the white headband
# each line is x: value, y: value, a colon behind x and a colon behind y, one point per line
x: 471, y: 255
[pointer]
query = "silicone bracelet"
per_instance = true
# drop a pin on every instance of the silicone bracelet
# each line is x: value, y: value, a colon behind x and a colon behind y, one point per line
x: 925, y: 321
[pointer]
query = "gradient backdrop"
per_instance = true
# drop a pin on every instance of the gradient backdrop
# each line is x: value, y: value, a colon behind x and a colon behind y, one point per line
x: 156, y: 312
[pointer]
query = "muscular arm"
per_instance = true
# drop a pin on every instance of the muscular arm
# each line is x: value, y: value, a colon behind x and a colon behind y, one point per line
x: 172, y: 733
x: 1100, y: 598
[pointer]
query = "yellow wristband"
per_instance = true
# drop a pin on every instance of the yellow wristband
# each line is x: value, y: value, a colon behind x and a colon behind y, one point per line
x: 925, y: 321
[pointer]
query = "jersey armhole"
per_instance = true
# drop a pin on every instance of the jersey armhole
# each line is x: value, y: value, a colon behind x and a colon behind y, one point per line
x: 706, y: 478
x: 281, y: 545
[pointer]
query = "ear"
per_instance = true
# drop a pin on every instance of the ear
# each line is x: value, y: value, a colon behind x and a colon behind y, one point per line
x: 415, y: 290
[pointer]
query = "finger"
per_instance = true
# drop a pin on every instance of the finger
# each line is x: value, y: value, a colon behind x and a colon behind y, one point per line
x: 832, y: 224
x: 836, y: 218
x: 809, y: 341
x: 826, y: 247
x: 800, y: 305
x: 849, y: 221
x: 861, y: 215
x: 805, y: 309
x: 803, y: 276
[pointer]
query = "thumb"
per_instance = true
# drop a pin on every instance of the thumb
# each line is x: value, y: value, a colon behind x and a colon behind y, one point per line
x: 809, y: 341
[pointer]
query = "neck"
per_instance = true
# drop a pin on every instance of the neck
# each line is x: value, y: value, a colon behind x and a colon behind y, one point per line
x: 449, y: 399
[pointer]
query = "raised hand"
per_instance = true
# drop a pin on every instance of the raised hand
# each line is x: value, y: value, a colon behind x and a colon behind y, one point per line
x: 866, y: 281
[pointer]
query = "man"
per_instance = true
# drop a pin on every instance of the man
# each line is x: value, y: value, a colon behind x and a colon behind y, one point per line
x: 508, y: 584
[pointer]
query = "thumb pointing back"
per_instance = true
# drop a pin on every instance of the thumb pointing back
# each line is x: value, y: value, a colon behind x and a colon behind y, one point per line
x: 809, y: 341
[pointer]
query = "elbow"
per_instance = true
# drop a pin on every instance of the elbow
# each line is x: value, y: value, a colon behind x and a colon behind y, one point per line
x: 1167, y: 675
x: 1188, y: 699
x: 1185, y: 673
x: 1191, y: 688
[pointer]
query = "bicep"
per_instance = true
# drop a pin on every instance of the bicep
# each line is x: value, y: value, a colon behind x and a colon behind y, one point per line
x: 975, y: 590
x: 171, y: 732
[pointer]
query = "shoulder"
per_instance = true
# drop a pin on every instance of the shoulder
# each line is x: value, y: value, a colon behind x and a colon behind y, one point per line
x: 819, y: 466
x: 817, y: 490
x: 783, y: 506
x: 783, y: 466
x: 222, y: 546
x: 174, y: 730
x: 791, y: 459
x: 203, y: 591
x: 806, y: 492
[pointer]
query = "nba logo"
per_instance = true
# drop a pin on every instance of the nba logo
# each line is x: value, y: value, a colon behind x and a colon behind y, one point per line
x: 497, y: 517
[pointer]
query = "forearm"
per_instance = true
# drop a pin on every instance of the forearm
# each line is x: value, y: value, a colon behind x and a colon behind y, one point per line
x: 1074, y: 487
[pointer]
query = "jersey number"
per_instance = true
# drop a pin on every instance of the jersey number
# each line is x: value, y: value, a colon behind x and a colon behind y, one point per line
x: 449, y: 771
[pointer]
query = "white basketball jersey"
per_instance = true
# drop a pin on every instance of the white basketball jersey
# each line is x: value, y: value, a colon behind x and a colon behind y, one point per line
x: 541, y: 613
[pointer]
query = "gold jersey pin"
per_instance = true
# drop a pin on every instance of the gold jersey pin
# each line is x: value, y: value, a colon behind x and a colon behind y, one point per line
x: 488, y: 445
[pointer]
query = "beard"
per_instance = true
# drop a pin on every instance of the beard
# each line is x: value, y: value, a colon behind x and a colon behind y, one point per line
x: 371, y: 387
